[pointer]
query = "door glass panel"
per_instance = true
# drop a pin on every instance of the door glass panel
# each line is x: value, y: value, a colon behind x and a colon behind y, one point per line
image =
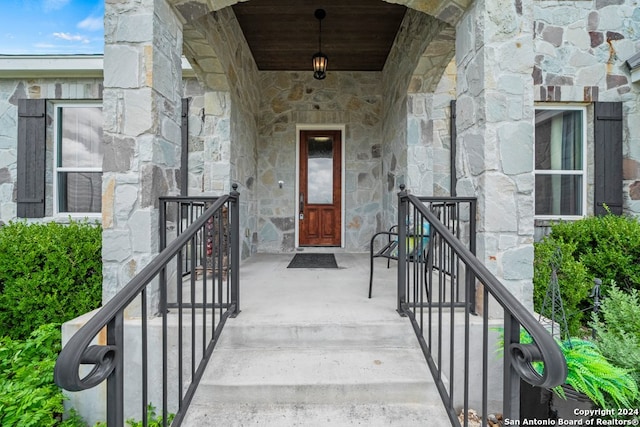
x: 320, y: 170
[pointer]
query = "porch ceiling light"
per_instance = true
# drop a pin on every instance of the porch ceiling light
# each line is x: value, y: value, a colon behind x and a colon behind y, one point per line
x: 320, y: 59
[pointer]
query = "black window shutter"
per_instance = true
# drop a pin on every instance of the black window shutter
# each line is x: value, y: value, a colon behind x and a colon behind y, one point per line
x: 184, y: 156
x: 608, y: 157
x: 31, y: 158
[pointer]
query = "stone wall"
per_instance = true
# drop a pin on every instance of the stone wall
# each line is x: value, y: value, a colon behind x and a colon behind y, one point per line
x: 581, y: 48
x: 11, y: 90
x: 352, y: 99
x: 209, y: 133
x: 401, y: 128
x: 209, y: 139
x: 429, y: 138
x: 223, y: 33
x: 142, y: 108
x: 494, y: 57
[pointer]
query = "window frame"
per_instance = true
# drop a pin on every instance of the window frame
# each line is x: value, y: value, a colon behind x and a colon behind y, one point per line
x: 583, y: 172
x: 57, y: 127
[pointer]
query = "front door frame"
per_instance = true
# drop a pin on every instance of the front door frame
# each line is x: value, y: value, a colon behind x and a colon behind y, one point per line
x: 303, y: 127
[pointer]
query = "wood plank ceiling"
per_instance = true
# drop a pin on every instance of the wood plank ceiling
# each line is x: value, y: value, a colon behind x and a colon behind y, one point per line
x: 283, y: 34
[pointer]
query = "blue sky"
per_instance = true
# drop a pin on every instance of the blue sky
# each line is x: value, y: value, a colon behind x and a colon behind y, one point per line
x: 51, y: 27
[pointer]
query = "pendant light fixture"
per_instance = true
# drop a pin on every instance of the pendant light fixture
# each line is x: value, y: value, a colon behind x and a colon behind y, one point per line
x: 320, y: 59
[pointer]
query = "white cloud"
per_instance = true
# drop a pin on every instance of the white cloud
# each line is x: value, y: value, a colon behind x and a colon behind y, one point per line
x: 71, y: 38
x: 91, y: 23
x: 49, y: 5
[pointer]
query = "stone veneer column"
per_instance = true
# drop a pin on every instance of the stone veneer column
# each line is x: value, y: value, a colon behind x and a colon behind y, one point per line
x: 142, y: 86
x: 494, y: 53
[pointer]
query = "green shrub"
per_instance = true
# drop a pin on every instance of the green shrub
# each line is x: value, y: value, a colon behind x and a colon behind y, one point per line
x: 617, y: 329
x: 49, y: 273
x: 28, y: 395
x: 605, y: 247
x: 608, y: 246
x: 153, y: 419
x: 573, y: 279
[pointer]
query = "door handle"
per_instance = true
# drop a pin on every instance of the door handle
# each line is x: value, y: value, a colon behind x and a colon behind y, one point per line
x: 301, y: 203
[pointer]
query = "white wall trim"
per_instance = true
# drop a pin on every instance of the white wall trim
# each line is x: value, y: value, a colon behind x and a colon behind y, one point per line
x: 70, y: 66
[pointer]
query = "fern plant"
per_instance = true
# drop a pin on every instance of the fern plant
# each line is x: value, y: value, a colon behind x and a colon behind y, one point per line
x: 590, y: 373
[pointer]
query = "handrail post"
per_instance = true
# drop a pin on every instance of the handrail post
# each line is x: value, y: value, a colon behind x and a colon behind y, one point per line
x: 234, y: 201
x: 402, y: 247
x: 115, y: 380
x: 470, y: 277
x: 511, y: 386
x: 162, y: 224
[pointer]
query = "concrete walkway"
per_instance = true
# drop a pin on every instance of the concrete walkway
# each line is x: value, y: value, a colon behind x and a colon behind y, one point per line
x: 310, y: 349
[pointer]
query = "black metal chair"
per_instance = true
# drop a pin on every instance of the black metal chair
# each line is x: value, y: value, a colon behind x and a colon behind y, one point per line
x: 417, y: 248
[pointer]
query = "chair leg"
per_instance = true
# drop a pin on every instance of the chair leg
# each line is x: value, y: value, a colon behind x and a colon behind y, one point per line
x: 427, y: 277
x: 427, y: 280
x: 371, y: 275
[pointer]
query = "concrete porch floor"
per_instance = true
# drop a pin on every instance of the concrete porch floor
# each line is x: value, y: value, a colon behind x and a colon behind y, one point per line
x: 310, y: 349
x: 272, y: 292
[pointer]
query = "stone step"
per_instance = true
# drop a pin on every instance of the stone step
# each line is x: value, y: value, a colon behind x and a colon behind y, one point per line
x: 318, y: 376
x: 317, y: 415
x: 393, y: 334
x: 310, y: 349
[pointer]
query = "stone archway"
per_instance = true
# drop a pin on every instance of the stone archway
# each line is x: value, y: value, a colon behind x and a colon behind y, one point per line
x: 494, y: 50
x: 449, y: 11
x: 214, y: 44
x: 204, y: 59
x: 494, y: 57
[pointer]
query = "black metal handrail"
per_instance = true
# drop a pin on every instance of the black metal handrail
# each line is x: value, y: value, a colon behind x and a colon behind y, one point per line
x: 177, y: 213
x: 459, y: 359
x: 148, y: 297
x: 454, y: 213
x: 457, y: 214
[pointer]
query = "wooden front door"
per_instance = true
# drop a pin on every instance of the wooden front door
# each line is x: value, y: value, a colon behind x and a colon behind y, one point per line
x: 320, y: 198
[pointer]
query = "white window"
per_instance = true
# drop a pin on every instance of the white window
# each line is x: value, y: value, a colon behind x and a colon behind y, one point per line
x: 77, y: 174
x: 560, y: 162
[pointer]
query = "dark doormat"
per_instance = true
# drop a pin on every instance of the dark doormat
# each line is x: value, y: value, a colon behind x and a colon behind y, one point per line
x: 313, y: 261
